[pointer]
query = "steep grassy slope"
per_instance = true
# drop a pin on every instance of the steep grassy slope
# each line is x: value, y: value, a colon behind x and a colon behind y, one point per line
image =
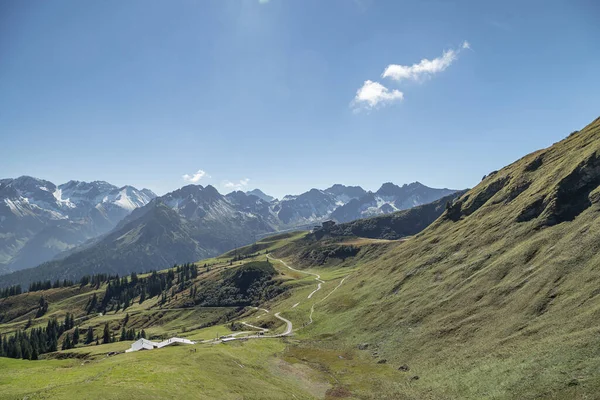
x: 499, y: 297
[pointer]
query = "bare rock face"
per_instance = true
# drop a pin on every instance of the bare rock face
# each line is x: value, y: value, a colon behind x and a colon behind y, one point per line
x: 572, y: 195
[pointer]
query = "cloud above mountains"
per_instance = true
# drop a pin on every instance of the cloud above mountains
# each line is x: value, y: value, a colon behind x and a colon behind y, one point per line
x: 196, y: 177
x: 226, y: 184
x: 239, y: 185
x: 374, y: 94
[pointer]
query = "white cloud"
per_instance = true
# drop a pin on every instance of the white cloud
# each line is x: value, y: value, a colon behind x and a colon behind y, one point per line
x: 239, y: 185
x: 425, y: 68
x: 195, y: 177
x: 373, y: 94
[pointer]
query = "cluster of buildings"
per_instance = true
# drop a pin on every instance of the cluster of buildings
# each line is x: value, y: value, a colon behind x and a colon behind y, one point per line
x: 145, y: 344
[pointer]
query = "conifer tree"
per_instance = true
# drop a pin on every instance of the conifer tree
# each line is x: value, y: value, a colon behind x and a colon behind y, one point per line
x: 67, y: 344
x: 89, y: 338
x: 76, y: 336
x: 106, y: 334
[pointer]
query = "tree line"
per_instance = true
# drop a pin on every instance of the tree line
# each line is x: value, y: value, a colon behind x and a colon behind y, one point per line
x: 29, y: 345
x: 10, y: 291
x: 121, y: 292
x: 45, y: 285
x: 184, y: 272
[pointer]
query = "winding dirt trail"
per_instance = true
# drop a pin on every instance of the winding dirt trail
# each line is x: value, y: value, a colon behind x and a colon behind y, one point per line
x: 288, y: 323
x: 317, y: 276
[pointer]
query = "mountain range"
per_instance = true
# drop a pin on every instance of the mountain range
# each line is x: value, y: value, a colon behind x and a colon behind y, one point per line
x: 388, y: 199
x: 96, y: 227
x: 494, y: 294
x: 39, y: 219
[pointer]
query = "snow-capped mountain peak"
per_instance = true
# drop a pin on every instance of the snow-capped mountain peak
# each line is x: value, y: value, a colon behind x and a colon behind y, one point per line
x: 64, y: 215
x: 128, y: 197
x: 389, y: 198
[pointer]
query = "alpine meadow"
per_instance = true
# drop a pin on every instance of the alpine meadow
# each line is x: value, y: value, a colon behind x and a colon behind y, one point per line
x: 231, y: 252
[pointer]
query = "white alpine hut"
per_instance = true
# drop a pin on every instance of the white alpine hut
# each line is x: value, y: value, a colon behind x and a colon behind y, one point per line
x: 144, y: 344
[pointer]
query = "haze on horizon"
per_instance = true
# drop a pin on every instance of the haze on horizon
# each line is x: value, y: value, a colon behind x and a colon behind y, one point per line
x: 287, y: 96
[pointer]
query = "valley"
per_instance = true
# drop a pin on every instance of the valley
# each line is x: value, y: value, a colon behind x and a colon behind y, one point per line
x: 471, y: 304
x: 299, y: 200
x: 191, y: 223
x: 303, y: 381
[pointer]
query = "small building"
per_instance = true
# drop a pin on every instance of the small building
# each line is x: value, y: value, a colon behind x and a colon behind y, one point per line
x: 144, y: 344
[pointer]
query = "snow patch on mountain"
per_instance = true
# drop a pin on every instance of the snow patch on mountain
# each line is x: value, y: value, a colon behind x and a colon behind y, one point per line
x: 62, y: 202
x: 127, y: 198
x: 44, y: 219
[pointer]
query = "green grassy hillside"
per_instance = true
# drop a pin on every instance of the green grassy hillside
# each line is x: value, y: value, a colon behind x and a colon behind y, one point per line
x: 250, y: 370
x: 496, y: 299
x: 499, y: 297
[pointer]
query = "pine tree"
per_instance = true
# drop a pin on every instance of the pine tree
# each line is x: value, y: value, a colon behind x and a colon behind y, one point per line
x: 92, y: 304
x: 76, y: 336
x: 67, y: 344
x: 43, y: 307
x: 106, y: 334
x: 90, y: 336
x: 123, y: 335
x: 69, y: 321
x: 143, y: 334
x: 26, y: 349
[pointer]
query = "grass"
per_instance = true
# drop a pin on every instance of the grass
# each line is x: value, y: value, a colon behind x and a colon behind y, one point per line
x: 250, y: 370
x: 497, y: 299
x: 208, y: 333
x: 483, y: 306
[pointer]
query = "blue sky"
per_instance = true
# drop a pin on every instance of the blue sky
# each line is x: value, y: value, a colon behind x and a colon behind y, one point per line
x: 266, y: 94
